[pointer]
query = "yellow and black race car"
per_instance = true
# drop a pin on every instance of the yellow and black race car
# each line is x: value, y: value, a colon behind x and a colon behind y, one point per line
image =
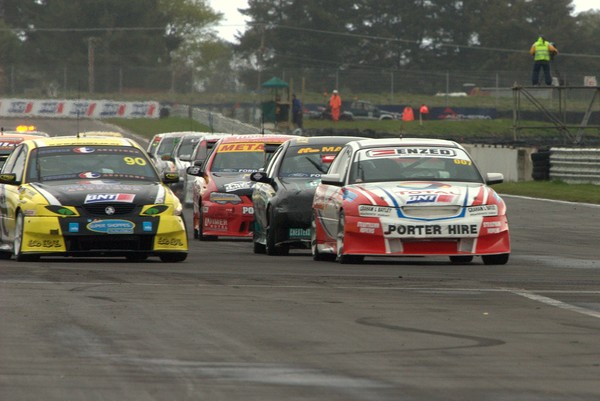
x: 85, y: 196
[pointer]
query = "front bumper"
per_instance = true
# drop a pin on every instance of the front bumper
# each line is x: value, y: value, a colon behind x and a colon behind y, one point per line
x: 482, y: 236
x: 72, y: 236
x: 231, y: 220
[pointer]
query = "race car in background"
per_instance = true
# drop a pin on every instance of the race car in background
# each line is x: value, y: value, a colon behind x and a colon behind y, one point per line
x: 8, y: 142
x: 193, y: 149
x: 221, y: 199
x: 408, y: 197
x: 283, y: 194
x: 88, y: 196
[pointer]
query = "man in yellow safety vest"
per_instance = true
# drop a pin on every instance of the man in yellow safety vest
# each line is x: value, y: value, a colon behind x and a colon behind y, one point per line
x: 542, y: 51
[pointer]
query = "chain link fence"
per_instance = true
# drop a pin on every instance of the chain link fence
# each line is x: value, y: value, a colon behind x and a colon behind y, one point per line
x: 56, y: 81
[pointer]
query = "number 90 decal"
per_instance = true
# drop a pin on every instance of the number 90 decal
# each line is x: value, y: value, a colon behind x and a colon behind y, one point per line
x: 134, y: 160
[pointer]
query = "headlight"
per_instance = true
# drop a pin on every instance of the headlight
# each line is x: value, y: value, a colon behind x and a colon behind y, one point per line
x: 63, y: 210
x: 222, y: 198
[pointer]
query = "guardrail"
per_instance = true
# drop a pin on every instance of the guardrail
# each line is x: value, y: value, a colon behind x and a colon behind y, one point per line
x: 575, y: 165
x: 514, y: 163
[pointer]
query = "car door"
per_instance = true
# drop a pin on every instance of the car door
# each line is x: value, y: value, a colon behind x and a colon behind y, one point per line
x: 333, y: 194
x: 10, y: 193
x: 264, y: 192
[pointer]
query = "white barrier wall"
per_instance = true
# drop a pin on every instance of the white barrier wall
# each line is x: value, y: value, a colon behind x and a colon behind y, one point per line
x: 514, y: 163
x: 77, y: 108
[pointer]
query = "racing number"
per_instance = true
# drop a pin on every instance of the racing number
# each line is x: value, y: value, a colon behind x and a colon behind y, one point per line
x: 462, y: 162
x: 134, y: 160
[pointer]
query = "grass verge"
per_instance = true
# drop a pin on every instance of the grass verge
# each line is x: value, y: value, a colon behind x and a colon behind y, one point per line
x: 558, y: 190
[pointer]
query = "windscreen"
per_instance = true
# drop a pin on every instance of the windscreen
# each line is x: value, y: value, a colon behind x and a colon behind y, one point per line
x: 308, y: 161
x: 89, y: 162
x: 187, y: 146
x: 238, y: 157
x: 167, y: 145
x: 419, y: 163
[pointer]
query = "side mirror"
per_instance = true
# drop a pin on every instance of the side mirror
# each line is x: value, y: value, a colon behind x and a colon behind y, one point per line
x: 195, y: 170
x: 494, y: 178
x: 166, y: 158
x: 9, y: 178
x: 199, y: 162
x: 170, y: 178
x: 259, y: 176
x: 332, y: 179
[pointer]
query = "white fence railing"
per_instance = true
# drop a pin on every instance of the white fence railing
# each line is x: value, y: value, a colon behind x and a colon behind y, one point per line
x: 575, y: 165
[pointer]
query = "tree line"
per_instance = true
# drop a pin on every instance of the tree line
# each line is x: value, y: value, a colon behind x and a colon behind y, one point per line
x: 302, y: 37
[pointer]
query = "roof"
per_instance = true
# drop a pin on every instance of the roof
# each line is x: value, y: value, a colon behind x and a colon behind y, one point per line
x: 101, y: 133
x: 81, y: 141
x: 323, y: 140
x: 275, y: 83
x: 257, y: 138
x: 367, y: 143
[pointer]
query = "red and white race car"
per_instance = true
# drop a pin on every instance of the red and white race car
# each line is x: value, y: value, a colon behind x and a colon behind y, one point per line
x: 222, y: 198
x: 408, y: 197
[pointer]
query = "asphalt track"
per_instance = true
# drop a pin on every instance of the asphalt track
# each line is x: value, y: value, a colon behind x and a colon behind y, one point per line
x: 230, y: 325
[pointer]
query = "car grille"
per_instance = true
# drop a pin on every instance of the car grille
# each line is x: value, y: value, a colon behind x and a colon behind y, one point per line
x: 431, y: 212
x: 109, y: 243
x: 99, y: 209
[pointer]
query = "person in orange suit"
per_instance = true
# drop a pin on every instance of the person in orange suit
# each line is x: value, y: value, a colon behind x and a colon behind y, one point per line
x: 335, y: 104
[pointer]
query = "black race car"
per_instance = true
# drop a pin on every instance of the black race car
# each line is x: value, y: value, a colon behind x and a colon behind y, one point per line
x: 284, y: 192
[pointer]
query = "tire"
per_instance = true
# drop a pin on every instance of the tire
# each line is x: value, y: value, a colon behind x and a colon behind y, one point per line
x: 173, y: 257
x: 316, y: 255
x: 271, y: 248
x: 19, y: 227
x: 341, y: 257
x: 500, y: 259
x: 540, y: 156
x: 461, y: 260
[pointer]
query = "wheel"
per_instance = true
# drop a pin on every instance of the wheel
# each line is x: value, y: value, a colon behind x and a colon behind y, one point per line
x: 17, y: 245
x: 500, y: 259
x: 173, y: 257
x: 460, y: 260
x: 271, y: 248
x: 316, y: 255
x: 341, y: 257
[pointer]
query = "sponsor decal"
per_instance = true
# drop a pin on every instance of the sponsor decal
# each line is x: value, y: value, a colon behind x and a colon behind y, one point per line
x: 47, y: 243
x: 111, y: 226
x: 412, y: 199
x: 374, y: 211
x: 73, y: 227
x: 247, y: 210
x: 84, y: 150
x: 299, y: 233
x: 324, y: 148
x: 483, y: 210
x: 366, y: 227
x: 241, y: 147
x: 234, y: 186
x: 97, y: 198
x: 216, y: 224
x: 90, y: 174
x: 438, y: 152
x: 349, y: 196
x: 166, y: 241
x: 147, y: 226
x: 431, y: 230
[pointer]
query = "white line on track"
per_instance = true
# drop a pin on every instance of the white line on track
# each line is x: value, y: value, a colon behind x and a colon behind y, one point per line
x: 556, y: 303
x: 550, y: 200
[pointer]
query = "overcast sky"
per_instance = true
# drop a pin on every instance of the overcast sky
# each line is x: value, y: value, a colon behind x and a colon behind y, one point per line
x: 234, y: 21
